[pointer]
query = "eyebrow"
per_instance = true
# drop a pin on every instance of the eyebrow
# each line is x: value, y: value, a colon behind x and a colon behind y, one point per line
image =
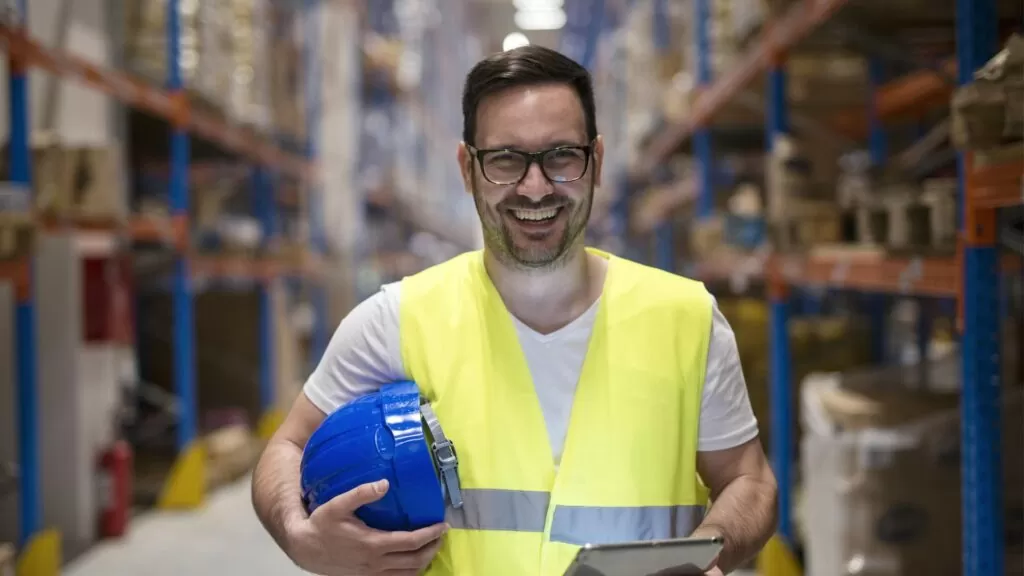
x: 548, y: 146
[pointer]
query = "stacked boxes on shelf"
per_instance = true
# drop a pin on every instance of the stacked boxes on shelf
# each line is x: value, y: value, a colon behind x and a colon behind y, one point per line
x: 75, y: 181
x: 987, y: 115
x: 287, y: 72
x: 799, y: 216
x: 881, y: 458
x: 221, y: 44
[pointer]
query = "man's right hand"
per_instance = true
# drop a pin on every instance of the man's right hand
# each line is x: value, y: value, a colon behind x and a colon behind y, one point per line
x: 334, y: 542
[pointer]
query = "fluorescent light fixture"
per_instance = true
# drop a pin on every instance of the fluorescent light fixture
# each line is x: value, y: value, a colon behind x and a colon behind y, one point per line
x: 514, y: 40
x: 537, y: 5
x: 540, y: 19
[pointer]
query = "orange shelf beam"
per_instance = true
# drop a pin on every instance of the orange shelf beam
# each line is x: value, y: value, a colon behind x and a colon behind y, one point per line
x: 997, y: 186
x: 256, y: 269
x: 911, y: 95
x: 910, y: 276
x: 778, y: 37
x: 139, y: 94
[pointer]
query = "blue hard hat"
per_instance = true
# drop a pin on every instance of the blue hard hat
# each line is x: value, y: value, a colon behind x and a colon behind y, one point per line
x: 390, y: 435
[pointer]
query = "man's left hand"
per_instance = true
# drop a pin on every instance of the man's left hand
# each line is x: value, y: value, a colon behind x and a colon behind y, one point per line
x: 715, y: 572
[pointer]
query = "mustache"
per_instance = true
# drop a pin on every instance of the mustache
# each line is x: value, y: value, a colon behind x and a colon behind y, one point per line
x: 524, y: 203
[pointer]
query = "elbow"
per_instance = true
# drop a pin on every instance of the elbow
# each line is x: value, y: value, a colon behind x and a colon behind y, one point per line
x: 771, y: 494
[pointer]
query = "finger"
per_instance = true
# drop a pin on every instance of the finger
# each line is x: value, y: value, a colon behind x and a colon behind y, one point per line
x: 346, y: 504
x: 417, y: 560
x: 390, y: 542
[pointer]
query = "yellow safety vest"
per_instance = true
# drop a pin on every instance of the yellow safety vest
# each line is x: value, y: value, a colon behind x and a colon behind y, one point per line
x: 628, y: 470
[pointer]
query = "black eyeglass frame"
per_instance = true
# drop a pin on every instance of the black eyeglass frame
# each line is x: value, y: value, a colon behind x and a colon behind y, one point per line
x: 531, y: 158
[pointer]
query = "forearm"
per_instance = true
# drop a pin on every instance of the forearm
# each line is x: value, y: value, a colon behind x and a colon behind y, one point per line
x: 276, y: 491
x: 744, y: 514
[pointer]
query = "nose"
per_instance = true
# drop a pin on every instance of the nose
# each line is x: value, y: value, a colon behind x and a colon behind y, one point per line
x: 534, y: 185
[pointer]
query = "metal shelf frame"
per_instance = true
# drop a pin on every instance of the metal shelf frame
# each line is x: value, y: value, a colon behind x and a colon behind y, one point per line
x: 185, y: 486
x: 971, y: 278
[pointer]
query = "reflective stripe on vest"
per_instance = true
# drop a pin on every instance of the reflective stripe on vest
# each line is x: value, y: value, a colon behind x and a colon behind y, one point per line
x: 509, y: 510
x: 581, y: 525
x: 526, y: 511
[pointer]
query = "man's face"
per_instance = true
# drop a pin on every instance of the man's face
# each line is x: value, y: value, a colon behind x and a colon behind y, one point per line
x: 532, y: 222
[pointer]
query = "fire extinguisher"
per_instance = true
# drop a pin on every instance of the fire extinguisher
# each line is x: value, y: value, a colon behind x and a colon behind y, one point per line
x: 115, y: 489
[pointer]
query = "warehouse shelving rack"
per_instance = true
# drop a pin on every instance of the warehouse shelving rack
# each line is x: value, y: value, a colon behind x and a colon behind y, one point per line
x: 185, y: 487
x: 971, y: 278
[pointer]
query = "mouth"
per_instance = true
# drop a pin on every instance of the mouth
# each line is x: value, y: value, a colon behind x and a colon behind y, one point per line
x: 532, y: 216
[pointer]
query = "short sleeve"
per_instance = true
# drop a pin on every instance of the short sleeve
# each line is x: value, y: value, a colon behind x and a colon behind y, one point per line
x: 726, y: 417
x: 364, y: 353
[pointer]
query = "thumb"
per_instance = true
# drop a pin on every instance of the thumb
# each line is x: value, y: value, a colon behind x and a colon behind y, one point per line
x: 347, y: 503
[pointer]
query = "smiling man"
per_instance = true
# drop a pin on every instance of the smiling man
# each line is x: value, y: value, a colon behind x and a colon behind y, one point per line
x: 591, y: 399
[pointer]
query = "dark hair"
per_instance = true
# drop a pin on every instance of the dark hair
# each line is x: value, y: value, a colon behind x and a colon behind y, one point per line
x: 524, y: 66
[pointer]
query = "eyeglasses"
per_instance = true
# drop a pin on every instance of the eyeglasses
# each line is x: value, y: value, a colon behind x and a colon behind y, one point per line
x: 559, y: 165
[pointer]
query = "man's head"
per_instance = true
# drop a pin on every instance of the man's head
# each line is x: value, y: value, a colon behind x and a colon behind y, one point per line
x: 531, y: 154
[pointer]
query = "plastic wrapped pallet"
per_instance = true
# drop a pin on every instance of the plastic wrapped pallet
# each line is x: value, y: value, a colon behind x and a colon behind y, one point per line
x: 881, y: 470
x: 249, y: 82
x: 987, y: 112
x: 287, y: 72
x: 146, y: 23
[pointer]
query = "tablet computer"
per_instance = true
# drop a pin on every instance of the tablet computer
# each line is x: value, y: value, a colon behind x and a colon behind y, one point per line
x: 675, y: 557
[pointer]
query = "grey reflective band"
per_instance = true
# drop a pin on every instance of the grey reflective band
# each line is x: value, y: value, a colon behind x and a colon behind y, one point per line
x: 526, y: 511
x: 508, y: 510
x: 444, y: 456
x: 581, y: 525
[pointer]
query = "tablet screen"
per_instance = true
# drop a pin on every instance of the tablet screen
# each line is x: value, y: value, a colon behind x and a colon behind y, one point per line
x: 677, y: 557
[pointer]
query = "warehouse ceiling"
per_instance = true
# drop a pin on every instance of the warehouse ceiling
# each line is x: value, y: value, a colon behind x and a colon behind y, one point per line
x: 494, y: 19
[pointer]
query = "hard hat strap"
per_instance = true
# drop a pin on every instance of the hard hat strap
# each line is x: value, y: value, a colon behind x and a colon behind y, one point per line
x: 444, y: 456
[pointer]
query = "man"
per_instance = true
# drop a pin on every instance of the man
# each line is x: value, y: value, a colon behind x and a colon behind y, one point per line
x: 591, y: 399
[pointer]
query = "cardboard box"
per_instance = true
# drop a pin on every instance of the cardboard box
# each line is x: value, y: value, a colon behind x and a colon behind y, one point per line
x: 881, y: 470
x: 78, y: 181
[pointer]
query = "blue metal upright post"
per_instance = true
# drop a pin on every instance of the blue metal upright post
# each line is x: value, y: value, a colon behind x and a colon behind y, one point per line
x: 311, y: 65
x: 982, y: 474
x: 878, y: 149
x: 185, y: 487
x: 184, y: 362
x: 31, y: 508
x: 782, y: 423
x: 263, y: 204
x: 781, y: 410
x: 664, y: 243
x: 702, y: 136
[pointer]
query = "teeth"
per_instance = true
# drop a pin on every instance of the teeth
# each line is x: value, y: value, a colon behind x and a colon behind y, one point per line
x: 535, y: 215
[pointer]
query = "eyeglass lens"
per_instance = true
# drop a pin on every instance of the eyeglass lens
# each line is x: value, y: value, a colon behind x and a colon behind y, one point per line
x: 560, y: 165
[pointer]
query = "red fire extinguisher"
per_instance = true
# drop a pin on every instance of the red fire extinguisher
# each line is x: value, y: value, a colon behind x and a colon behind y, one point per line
x: 115, y: 489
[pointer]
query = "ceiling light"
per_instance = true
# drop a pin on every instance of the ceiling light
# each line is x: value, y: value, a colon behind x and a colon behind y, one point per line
x: 540, y: 19
x: 537, y: 5
x: 514, y: 40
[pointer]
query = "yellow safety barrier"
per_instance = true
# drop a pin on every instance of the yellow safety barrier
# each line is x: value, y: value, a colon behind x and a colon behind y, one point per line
x: 776, y: 559
x: 269, y: 424
x: 41, y: 556
x: 186, y: 485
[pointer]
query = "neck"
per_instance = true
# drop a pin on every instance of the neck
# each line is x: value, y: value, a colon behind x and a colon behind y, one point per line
x: 548, y: 299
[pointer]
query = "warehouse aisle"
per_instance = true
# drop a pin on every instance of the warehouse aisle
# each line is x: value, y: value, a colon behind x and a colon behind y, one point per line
x: 224, y: 538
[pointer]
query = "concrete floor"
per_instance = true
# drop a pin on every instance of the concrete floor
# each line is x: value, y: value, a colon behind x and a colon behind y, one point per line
x: 222, y: 539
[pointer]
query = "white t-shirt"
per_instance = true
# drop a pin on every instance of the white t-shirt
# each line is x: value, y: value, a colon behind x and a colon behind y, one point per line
x: 365, y: 353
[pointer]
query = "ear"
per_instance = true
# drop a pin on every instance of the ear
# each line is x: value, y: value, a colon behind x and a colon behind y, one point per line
x: 465, y: 159
x: 598, y: 159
